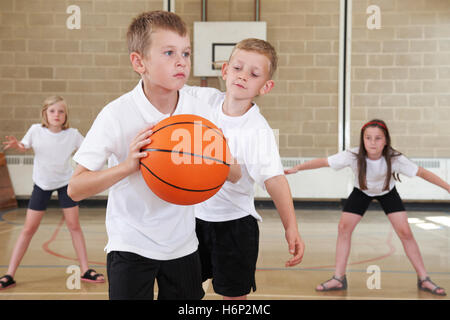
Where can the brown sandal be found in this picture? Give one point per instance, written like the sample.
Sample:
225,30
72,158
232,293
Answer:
89,277
432,291
9,282
342,280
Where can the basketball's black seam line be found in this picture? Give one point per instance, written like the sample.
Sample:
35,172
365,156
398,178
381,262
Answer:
188,153
177,187
189,122
194,123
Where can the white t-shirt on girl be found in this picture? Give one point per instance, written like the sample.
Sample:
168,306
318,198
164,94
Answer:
137,220
252,143
52,152
376,170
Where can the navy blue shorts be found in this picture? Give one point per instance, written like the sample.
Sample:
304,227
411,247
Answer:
228,253
358,202
40,198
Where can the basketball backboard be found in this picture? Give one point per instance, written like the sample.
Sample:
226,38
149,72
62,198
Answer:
214,41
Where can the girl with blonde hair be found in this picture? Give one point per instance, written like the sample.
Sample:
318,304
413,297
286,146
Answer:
53,143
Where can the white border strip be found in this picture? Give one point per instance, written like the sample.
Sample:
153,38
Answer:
166,5
348,85
344,129
341,73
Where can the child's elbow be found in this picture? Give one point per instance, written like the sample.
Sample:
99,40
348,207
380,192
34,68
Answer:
71,192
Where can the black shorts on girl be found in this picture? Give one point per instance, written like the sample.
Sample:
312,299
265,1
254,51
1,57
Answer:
358,202
40,198
228,253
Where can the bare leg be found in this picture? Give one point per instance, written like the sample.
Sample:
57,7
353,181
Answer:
71,216
346,226
399,221
32,222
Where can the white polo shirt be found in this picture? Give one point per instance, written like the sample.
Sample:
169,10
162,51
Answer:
136,219
52,153
252,142
375,171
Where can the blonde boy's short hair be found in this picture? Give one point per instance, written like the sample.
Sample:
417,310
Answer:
260,46
51,101
141,28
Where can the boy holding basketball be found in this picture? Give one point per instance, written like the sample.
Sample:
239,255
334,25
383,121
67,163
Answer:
148,238
227,226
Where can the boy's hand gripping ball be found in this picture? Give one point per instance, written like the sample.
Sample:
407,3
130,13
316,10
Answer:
187,160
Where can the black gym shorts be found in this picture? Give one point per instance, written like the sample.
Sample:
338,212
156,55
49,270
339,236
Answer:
228,253
132,277
358,202
40,198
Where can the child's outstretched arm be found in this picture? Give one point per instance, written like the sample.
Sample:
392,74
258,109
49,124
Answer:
278,189
434,179
85,183
308,165
12,142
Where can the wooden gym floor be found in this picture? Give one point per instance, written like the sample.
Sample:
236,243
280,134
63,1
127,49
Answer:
43,271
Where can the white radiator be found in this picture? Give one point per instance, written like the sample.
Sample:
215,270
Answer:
21,172
324,183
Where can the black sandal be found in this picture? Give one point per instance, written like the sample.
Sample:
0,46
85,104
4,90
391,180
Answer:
432,291
342,280
88,277
9,282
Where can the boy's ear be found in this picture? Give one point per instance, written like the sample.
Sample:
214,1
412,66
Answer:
224,70
136,62
268,86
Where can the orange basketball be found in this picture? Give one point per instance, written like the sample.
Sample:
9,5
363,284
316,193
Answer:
186,160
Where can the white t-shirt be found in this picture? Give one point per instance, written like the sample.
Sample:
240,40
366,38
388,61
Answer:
52,152
137,220
252,143
376,170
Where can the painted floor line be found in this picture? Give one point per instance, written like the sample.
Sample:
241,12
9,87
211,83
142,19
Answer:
251,296
51,293
258,269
